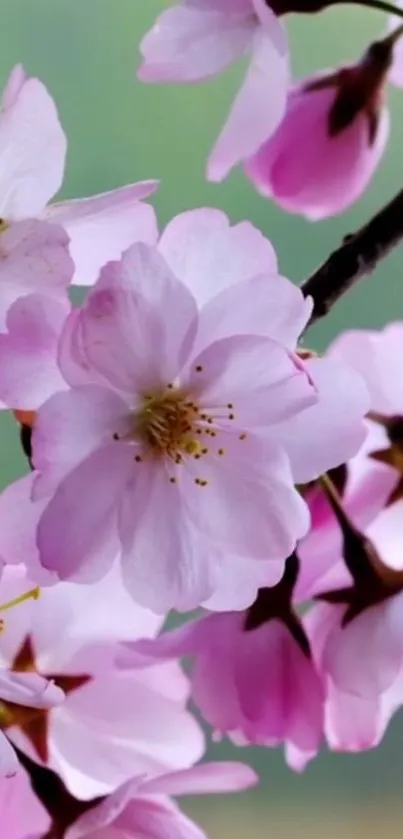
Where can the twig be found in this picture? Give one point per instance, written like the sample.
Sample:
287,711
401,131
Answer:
358,256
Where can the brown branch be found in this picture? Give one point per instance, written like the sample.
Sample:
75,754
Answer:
356,257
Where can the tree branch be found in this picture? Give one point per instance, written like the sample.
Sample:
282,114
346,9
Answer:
358,256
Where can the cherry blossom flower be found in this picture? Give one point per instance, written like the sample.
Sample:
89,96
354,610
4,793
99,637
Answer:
142,806
33,149
244,295
253,676
175,440
331,140
113,723
196,40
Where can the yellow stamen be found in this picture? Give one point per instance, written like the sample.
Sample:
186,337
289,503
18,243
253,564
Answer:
33,594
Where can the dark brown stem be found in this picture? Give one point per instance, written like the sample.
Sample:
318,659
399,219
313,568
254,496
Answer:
356,257
283,7
62,807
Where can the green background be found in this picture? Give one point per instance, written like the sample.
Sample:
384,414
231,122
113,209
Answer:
119,131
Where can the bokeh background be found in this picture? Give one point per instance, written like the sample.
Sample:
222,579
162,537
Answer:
119,131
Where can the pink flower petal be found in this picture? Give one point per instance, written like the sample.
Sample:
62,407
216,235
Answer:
9,764
346,657
13,86
266,305
352,722
375,355
259,105
29,372
19,518
307,171
279,387
206,778
189,43
103,226
209,255
84,507
125,331
331,431
126,813
32,148
160,547
22,815
238,580
34,258
252,478
29,689
72,425
121,727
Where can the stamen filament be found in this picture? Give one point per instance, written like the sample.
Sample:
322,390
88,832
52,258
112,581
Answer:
33,594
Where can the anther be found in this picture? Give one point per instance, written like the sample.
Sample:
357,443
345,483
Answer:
242,436
199,368
172,480
221,451
231,416
230,406
138,459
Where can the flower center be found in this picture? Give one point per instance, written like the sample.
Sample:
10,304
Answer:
167,423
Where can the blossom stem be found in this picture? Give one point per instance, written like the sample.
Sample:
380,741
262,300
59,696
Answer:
383,6
357,256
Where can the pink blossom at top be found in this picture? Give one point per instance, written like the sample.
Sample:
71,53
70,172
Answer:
157,444
113,723
142,807
330,142
32,151
197,39
22,816
255,684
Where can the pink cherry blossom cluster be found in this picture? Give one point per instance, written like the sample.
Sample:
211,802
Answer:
186,450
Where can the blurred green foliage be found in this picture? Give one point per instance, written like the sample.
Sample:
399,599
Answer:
86,51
